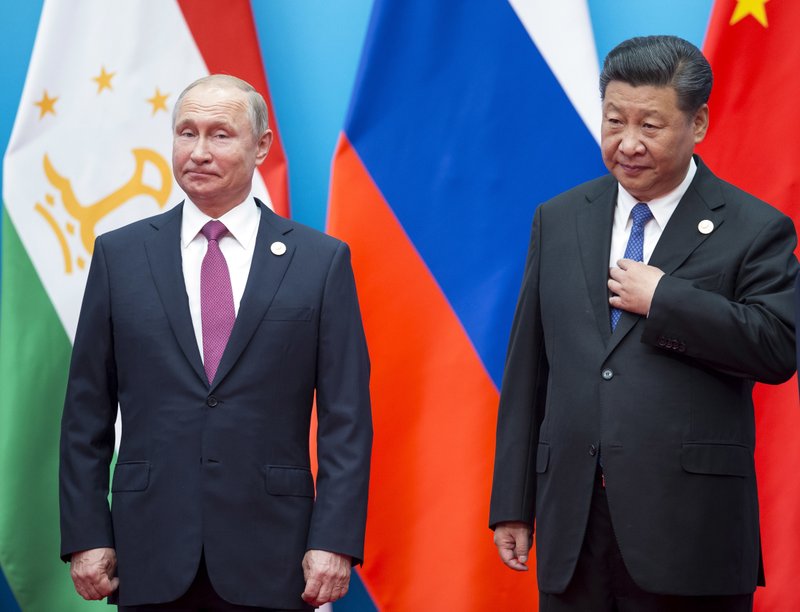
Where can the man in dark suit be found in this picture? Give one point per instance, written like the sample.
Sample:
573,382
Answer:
213,326
626,427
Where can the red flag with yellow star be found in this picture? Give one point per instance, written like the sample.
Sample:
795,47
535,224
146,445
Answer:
754,141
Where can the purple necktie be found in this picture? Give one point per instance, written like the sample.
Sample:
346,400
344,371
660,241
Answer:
635,250
216,299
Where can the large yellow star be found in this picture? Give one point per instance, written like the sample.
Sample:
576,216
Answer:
46,105
159,101
103,80
755,8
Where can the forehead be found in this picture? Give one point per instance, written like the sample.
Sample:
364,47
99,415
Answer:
213,103
642,98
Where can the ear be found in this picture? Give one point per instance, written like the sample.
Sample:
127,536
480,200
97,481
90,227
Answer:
262,147
700,123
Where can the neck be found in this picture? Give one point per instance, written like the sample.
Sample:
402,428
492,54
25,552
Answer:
215,210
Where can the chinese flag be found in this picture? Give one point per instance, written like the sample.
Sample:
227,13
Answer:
754,142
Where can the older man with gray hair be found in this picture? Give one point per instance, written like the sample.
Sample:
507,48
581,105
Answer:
214,326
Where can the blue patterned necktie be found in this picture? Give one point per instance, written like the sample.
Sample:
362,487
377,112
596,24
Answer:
635,250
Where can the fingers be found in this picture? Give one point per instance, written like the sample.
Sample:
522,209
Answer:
92,572
327,577
92,586
513,541
633,286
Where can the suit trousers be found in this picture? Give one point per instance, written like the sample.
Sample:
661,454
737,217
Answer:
200,597
601,582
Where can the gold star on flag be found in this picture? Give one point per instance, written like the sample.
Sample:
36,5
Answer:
754,8
103,80
46,105
159,101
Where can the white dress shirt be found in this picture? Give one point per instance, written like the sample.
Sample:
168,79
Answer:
662,209
238,246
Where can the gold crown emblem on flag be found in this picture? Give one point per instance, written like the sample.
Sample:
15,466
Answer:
83,218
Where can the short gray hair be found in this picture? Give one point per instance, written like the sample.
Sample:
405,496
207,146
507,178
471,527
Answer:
661,61
256,107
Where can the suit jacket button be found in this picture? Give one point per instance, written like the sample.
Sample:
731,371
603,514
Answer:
662,341
592,450
211,401
681,348
607,374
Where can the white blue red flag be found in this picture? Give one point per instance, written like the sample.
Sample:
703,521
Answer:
463,119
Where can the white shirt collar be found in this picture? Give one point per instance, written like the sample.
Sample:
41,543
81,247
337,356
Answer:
663,207
242,222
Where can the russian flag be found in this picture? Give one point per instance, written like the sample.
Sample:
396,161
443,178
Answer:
463,119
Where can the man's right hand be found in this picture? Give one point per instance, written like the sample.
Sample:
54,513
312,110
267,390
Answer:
513,541
92,572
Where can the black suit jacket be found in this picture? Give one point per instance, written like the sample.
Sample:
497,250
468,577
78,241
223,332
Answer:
221,468
665,399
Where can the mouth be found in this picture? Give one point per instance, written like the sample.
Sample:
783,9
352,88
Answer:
631,169
197,173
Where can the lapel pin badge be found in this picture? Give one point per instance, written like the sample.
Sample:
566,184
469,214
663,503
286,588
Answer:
277,248
705,226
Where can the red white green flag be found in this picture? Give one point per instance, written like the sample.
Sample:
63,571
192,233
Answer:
89,152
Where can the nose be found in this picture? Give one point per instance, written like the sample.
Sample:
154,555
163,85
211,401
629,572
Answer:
200,151
630,143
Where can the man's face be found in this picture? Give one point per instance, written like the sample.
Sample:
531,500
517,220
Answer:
646,140
214,152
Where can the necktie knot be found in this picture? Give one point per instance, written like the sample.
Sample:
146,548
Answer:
214,230
641,214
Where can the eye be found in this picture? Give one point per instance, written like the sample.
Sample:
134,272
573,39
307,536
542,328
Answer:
613,121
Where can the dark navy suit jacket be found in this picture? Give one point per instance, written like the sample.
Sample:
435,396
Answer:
665,399
221,468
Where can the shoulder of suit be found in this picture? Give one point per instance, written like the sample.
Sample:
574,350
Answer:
739,201
142,227
298,232
583,193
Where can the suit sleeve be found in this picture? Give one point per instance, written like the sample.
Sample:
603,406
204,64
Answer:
522,401
344,433
87,424
797,313
751,335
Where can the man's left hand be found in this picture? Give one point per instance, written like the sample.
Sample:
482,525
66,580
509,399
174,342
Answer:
633,285
327,576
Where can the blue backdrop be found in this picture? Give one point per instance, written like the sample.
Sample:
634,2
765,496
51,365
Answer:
311,51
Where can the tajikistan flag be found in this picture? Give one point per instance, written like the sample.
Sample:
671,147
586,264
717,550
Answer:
90,151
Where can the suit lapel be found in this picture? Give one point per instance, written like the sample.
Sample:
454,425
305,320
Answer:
594,222
266,273
703,201
164,256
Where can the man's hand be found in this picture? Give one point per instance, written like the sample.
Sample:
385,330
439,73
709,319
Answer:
327,576
513,541
92,572
633,285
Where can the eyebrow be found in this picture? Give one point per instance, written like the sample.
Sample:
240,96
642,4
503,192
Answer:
649,112
214,125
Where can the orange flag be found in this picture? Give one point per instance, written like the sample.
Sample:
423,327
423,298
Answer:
754,141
